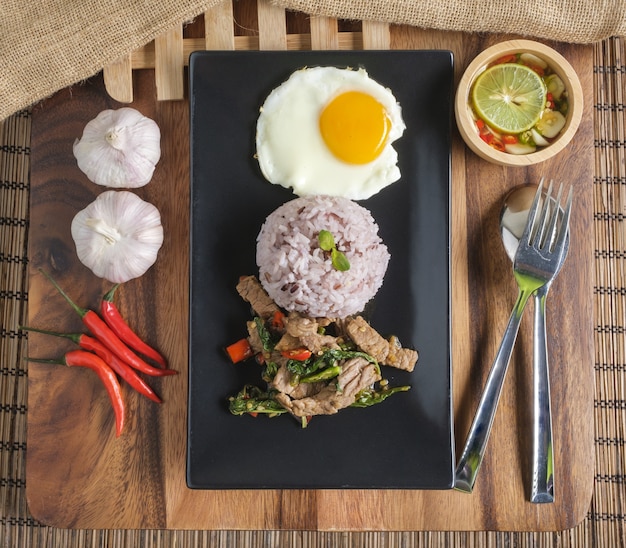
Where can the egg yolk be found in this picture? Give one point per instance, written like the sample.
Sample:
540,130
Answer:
355,126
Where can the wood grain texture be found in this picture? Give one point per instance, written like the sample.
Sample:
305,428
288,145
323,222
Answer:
324,33
272,26
168,70
80,476
218,27
118,79
376,35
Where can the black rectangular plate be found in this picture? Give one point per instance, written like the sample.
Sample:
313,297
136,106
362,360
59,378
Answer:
405,442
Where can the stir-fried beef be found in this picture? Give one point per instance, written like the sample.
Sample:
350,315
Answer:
401,358
304,332
387,352
252,291
356,375
282,382
340,372
316,343
297,325
368,339
288,342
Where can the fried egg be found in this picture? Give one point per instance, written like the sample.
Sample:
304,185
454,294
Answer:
329,131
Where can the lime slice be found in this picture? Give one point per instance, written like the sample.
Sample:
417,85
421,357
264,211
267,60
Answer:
509,97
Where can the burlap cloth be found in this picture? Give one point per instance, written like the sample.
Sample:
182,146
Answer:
46,45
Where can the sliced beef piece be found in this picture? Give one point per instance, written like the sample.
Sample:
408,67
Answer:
252,291
400,358
341,327
386,352
356,375
282,383
368,339
313,342
297,325
287,342
317,343
253,337
306,331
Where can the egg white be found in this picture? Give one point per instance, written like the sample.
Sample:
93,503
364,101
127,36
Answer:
290,148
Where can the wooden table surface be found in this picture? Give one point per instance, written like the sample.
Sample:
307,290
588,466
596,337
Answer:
80,475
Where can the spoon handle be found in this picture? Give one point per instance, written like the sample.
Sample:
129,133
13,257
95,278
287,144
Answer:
474,450
542,489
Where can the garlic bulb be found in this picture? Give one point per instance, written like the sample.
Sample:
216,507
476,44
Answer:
119,148
118,235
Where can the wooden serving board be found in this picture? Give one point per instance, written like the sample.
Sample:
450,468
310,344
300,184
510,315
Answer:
79,475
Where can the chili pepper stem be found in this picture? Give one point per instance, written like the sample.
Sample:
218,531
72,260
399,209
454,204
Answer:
72,336
78,309
104,333
109,295
44,360
124,370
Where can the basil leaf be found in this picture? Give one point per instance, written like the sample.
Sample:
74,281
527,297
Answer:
326,240
368,397
339,260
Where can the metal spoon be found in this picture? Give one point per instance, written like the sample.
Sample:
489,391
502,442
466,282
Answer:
512,221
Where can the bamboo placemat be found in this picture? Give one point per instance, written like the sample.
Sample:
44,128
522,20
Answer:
604,523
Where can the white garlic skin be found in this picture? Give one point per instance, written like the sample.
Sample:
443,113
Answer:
118,235
119,148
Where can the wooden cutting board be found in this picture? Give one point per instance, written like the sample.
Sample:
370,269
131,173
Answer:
79,475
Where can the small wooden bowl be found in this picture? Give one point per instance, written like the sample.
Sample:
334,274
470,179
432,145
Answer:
465,120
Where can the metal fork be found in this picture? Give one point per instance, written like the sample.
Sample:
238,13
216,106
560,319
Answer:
540,254
542,488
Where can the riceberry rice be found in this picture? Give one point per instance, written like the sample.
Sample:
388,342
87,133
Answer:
299,276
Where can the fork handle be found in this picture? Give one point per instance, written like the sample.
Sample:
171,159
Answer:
474,450
542,489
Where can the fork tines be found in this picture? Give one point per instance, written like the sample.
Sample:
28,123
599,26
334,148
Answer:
544,227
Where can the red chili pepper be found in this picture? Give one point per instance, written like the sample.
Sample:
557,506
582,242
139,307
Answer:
118,325
510,58
480,124
82,358
122,369
239,351
497,144
299,354
278,320
509,139
104,334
